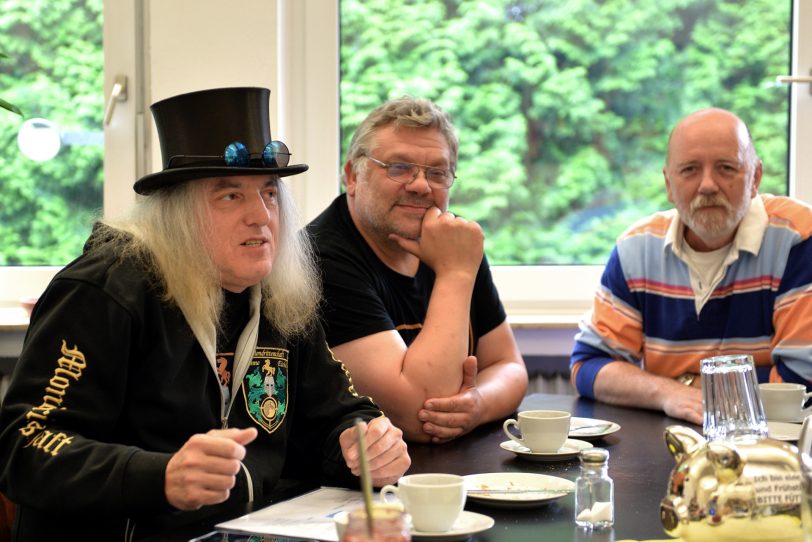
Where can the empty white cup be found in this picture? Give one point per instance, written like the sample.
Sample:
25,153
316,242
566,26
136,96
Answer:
542,431
434,501
784,401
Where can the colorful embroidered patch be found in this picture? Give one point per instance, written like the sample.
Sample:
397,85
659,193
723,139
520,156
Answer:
265,387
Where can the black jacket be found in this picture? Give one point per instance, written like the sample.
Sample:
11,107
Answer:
111,382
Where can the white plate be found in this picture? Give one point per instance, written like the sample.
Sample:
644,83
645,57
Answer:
517,489
467,524
569,450
784,430
593,428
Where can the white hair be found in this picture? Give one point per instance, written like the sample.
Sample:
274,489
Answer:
166,231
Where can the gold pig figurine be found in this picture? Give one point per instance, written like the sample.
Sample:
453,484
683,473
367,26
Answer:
805,444
744,490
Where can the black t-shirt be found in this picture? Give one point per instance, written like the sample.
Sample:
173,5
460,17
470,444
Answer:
363,296
134,384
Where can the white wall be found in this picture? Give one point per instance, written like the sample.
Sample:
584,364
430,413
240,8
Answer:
195,45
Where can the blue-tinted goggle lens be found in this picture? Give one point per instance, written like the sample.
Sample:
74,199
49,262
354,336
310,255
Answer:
275,154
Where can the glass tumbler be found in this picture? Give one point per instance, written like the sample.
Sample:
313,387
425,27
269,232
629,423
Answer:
731,400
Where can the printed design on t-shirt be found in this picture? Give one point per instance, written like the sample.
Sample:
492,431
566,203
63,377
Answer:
350,385
222,369
408,326
265,387
69,368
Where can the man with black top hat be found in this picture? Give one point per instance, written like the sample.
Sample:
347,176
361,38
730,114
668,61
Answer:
178,362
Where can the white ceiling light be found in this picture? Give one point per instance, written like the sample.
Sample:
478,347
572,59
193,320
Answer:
39,139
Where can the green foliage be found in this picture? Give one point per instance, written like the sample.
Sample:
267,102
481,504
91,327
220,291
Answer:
6,105
47,208
563,108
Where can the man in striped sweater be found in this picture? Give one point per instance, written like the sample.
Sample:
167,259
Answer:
728,271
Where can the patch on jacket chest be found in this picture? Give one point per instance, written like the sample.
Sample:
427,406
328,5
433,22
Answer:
265,387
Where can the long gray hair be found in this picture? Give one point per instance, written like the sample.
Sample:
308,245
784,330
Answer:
166,231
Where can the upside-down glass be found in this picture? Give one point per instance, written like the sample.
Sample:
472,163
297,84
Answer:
731,399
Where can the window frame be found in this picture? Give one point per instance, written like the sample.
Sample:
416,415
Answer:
306,66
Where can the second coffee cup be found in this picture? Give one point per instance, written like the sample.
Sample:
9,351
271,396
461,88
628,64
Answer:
784,401
434,501
542,431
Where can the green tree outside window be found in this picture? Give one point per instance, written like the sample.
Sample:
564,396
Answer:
53,68
563,107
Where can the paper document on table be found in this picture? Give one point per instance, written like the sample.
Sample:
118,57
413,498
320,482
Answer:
306,516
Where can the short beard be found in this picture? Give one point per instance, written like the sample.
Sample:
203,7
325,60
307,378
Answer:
712,225
381,228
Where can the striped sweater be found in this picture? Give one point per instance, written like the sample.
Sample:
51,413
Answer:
644,310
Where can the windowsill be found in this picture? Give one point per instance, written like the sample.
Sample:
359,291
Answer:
13,319
16,319
537,333
544,306
552,297
544,320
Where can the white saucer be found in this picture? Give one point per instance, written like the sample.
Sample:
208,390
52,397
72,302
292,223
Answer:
467,524
799,419
590,432
784,431
569,450
516,489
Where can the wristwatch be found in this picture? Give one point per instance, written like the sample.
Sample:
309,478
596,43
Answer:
687,378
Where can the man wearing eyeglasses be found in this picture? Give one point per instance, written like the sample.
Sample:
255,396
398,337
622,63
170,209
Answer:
726,272
410,305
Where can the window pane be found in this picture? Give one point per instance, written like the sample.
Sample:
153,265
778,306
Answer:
563,107
54,73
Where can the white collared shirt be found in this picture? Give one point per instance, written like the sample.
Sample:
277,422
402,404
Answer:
707,269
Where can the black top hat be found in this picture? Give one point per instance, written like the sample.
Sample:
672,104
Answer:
196,128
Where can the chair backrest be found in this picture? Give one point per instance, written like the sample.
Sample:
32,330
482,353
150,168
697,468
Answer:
7,512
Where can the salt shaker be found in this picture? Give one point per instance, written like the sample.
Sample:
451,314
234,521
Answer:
594,491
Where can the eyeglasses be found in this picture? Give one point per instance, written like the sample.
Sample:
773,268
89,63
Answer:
236,154
406,172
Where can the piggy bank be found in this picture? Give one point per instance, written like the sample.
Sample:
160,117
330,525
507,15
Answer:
732,491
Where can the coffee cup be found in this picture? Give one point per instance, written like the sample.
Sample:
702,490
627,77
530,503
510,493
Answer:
784,401
434,501
542,431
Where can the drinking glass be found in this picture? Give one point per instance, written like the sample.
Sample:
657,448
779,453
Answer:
731,400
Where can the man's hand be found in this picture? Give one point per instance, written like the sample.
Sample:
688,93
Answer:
203,471
446,418
621,383
685,403
386,451
447,243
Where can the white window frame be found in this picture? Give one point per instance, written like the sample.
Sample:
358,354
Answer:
301,46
